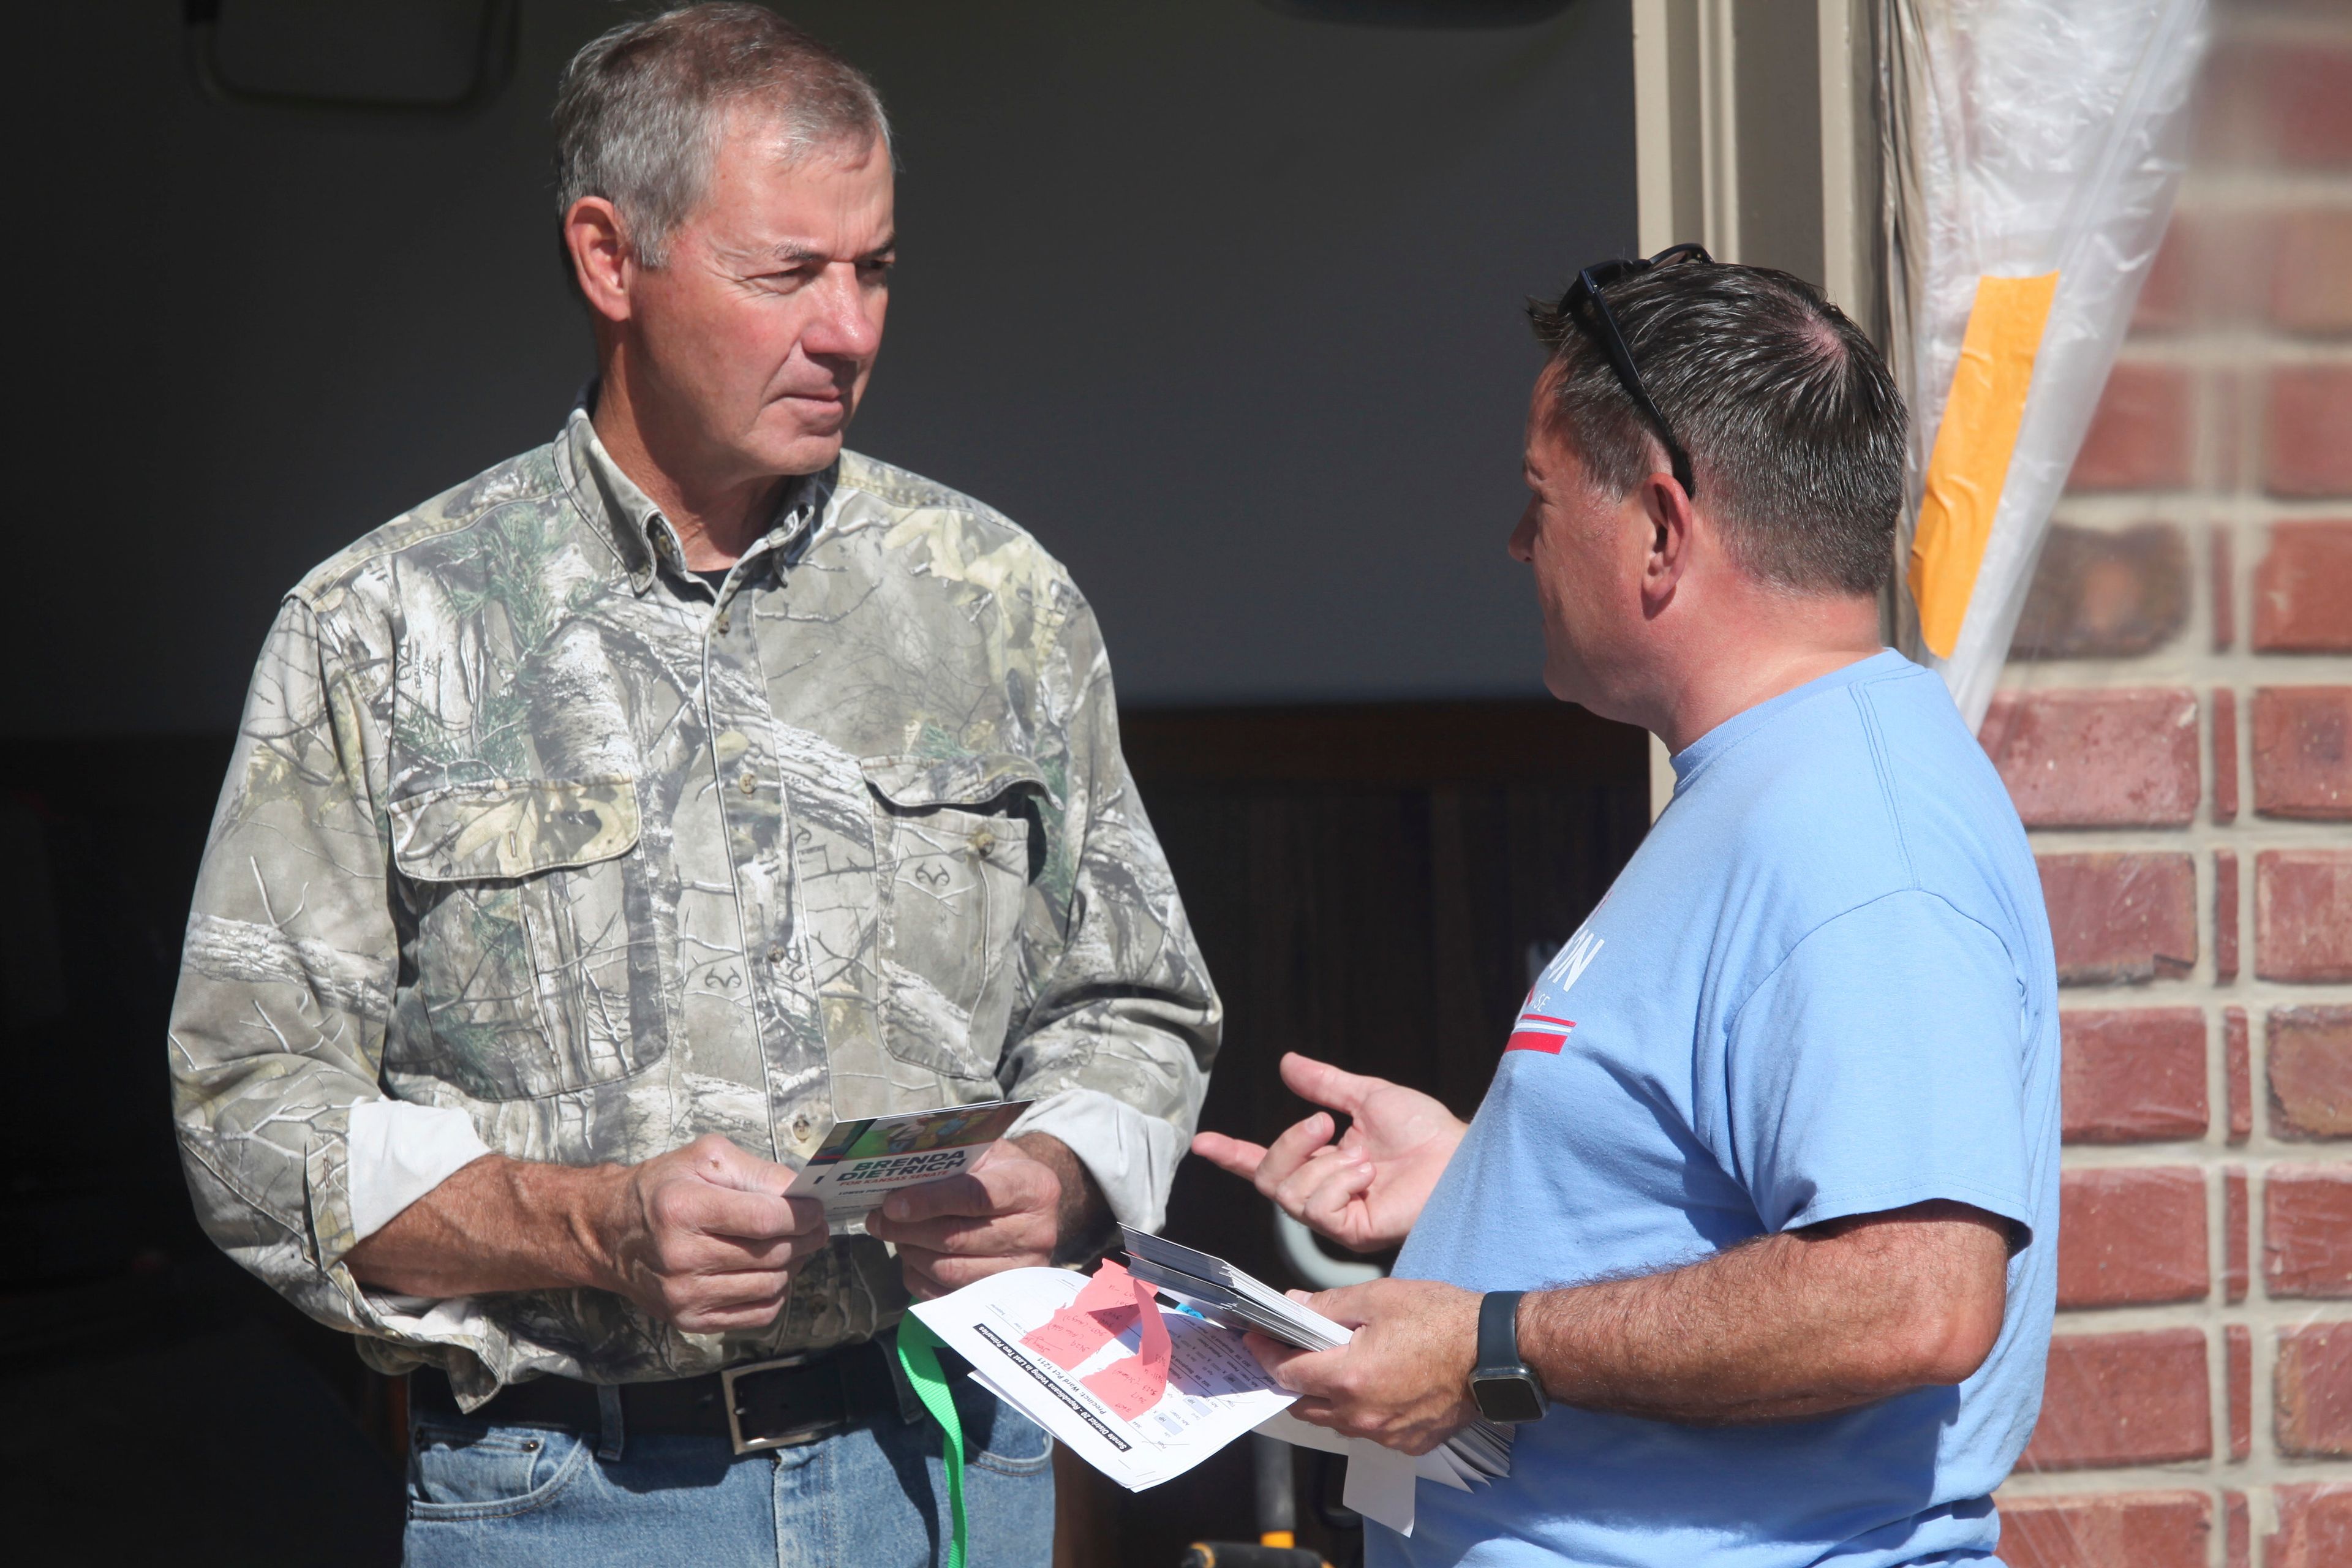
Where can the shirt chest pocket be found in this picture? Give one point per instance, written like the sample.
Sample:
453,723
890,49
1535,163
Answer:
535,963
953,861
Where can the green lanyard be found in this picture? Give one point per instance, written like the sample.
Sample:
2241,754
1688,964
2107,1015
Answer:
918,1352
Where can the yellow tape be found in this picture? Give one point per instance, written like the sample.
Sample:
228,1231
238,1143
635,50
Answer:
1970,462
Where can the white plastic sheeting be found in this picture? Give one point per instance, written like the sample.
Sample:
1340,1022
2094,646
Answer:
2023,137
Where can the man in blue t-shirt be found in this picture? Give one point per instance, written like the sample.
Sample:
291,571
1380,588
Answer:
1755,1231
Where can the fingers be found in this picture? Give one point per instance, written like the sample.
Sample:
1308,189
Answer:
713,1302
721,1164
1229,1155
1298,1143
1305,1372
951,1196
1324,1084
1349,1306
692,1252
1320,1194
1010,1186
710,1210
931,1273
1272,1354
1027,1233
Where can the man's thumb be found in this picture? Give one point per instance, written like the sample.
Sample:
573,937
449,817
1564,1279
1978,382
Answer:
728,1165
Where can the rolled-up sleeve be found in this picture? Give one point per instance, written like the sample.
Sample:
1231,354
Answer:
1121,1022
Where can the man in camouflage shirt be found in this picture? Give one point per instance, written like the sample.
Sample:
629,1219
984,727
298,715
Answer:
603,830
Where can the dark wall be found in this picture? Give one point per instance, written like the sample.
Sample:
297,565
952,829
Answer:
1221,302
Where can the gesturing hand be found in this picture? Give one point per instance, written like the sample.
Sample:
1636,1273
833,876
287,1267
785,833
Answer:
1003,1215
703,1236
1364,1191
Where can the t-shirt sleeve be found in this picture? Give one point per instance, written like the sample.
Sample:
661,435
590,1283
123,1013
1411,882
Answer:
1882,1064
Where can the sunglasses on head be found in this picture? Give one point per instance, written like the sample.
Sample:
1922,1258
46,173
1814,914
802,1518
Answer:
1586,291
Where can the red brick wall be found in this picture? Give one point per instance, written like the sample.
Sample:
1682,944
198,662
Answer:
2176,732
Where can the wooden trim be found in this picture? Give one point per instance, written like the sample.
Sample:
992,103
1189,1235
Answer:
1391,744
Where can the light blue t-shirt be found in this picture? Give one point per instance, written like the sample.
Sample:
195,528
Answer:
1822,986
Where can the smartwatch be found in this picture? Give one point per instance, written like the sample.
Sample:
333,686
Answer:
1500,1384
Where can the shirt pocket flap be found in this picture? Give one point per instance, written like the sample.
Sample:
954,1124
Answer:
504,829
968,778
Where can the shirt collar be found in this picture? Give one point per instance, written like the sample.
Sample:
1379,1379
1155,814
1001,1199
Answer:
644,540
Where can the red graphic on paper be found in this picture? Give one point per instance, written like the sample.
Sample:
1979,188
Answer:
1101,1312
1133,1384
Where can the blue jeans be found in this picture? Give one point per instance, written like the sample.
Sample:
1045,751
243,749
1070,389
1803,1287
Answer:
493,1495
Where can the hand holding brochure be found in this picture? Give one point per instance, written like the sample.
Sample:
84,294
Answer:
1214,1390
1224,1294
1144,1393
861,1162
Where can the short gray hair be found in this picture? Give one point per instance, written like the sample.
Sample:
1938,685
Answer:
640,110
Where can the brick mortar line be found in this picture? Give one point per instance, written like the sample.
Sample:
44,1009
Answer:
2194,993
2206,1156
2232,190
2238,349
2234,25
2191,507
2091,1486
2105,998
2266,1314
2242,671
2282,833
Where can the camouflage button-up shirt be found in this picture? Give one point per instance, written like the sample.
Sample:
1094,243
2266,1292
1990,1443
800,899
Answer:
526,820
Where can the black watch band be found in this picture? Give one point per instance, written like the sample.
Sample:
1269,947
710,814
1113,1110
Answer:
1501,1385
1498,1329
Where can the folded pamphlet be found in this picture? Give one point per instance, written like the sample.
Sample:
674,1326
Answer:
1211,1390
1144,1393
1225,1294
861,1162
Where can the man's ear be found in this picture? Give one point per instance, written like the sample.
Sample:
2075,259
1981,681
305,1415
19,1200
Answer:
1666,512
602,262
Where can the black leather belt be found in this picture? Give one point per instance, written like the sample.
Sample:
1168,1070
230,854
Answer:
760,1404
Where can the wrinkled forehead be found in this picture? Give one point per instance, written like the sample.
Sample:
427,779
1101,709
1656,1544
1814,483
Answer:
761,178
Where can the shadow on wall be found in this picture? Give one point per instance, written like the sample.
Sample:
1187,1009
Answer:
251,1434
1221,302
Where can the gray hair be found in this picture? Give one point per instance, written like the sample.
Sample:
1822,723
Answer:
640,110
1792,423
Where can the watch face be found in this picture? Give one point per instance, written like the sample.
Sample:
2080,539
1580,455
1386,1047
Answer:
1511,1398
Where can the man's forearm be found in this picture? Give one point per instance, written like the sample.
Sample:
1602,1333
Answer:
1782,1328
498,1223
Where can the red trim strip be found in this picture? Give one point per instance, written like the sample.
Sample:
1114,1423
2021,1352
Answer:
1542,1040
1541,1019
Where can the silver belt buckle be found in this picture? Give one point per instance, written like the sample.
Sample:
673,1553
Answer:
790,1440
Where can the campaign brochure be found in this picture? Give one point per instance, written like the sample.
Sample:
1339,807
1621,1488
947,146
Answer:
1143,1391
1225,1294
861,1162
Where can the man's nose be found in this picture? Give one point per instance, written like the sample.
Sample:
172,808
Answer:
846,325
1523,537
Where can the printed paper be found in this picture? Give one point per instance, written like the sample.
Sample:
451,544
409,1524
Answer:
861,1162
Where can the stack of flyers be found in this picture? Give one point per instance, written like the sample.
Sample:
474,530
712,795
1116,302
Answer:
861,1162
1222,1293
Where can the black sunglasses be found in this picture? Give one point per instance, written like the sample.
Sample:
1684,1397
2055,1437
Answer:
1585,290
